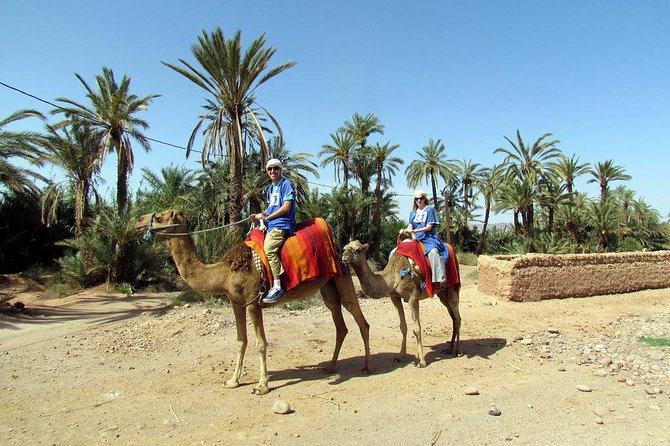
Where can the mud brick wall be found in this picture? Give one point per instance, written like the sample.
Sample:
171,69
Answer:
535,277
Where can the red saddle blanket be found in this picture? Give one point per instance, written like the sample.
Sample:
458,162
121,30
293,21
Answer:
415,251
307,255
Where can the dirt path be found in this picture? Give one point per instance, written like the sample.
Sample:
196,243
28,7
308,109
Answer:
106,369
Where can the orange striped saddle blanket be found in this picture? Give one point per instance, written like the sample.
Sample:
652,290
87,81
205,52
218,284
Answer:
415,251
307,255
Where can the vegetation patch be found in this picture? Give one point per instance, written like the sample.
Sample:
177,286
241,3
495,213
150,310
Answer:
655,342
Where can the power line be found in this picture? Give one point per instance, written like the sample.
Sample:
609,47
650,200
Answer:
133,133
70,110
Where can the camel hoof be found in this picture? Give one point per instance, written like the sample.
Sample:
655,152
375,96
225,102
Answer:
369,370
260,389
328,370
231,384
421,364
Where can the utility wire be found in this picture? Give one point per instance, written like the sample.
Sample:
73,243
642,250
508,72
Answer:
133,133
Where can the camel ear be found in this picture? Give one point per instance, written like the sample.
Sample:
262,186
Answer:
365,247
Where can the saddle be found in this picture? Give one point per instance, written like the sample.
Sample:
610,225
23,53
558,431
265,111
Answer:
308,255
415,251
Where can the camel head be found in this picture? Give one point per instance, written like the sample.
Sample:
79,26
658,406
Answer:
352,251
162,222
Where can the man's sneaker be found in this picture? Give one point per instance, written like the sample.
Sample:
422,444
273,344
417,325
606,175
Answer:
273,296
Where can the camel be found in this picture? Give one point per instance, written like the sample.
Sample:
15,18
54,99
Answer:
236,278
390,283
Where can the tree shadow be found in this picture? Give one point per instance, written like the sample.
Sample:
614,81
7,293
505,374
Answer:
98,309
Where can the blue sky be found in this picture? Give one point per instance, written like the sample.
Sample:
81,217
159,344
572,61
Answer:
596,74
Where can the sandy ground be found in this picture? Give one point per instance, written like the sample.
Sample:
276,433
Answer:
104,368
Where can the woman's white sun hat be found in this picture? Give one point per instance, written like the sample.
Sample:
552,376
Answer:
420,193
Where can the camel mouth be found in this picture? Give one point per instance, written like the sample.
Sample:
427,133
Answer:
142,223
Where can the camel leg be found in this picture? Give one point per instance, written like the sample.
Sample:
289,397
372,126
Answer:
241,325
332,300
256,316
414,306
397,302
450,299
349,300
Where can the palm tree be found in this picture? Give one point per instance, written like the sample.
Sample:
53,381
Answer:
22,145
296,166
432,165
231,78
529,162
488,183
170,189
361,127
386,167
604,217
339,154
112,114
76,150
469,174
526,166
604,173
568,169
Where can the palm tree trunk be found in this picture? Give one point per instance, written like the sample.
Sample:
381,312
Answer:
482,239
447,217
235,177
121,180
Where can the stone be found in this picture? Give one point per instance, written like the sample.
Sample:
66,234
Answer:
583,388
601,411
281,407
494,411
471,391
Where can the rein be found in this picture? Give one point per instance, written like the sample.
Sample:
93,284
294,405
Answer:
151,231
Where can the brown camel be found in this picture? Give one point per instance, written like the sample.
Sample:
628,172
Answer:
236,277
389,283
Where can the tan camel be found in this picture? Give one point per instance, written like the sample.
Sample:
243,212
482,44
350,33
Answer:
236,277
389,283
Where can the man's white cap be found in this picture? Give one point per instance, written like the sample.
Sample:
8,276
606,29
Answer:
274,162
419,193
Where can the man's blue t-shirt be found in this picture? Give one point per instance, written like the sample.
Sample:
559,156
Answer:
276,195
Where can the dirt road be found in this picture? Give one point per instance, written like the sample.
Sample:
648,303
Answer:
107,369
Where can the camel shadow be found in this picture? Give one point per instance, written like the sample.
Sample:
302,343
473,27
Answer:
470,348
348,368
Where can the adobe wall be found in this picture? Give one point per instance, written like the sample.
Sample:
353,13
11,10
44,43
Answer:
535,277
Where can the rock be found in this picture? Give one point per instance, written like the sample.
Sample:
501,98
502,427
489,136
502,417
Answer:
600,420
561,369
494,411
601,411
606,361
471,391
281,407
583,388
654,391
553,330
526,341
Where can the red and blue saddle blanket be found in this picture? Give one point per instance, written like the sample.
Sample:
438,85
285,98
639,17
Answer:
307,255
415,251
